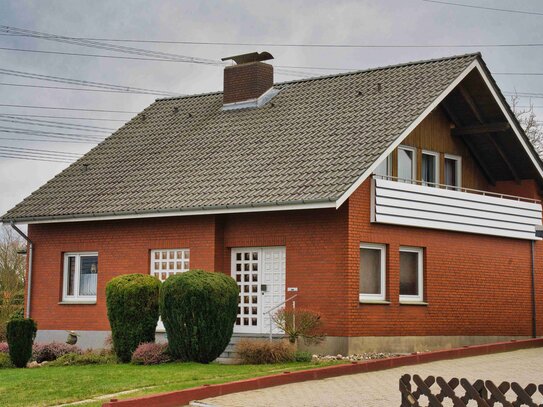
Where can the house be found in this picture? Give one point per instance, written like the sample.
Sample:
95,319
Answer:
401,203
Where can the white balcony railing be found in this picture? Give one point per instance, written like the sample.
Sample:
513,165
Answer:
459,209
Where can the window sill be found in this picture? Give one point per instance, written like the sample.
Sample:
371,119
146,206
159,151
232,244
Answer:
382,302
83,302
414,303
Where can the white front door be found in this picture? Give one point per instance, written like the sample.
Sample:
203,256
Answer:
260,274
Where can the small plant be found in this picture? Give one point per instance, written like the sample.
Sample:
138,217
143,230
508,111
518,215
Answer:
86,358
132,309
198,309
299,323
151,353
47,352
265,352
5,361
4,347
20,333
303,356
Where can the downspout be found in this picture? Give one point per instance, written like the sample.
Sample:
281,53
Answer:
29,276
534,315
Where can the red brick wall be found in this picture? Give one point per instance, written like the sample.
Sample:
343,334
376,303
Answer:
246,81
474,284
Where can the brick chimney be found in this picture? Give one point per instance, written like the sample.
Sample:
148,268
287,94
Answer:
248,79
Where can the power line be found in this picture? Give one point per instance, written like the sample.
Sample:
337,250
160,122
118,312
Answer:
100,85
41,151
47,141
67,108
64,88
535,13
57,135
32,158
63,117
48,123
268,44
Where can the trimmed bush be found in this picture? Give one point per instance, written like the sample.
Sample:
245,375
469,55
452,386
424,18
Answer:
132,309
151,354
20,333
303,356
86,358
47,352
4,347
265,352
5,361
198,309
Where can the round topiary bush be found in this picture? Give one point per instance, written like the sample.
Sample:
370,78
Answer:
132,309
198,309
20,333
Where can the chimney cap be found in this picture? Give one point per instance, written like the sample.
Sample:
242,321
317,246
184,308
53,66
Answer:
250,57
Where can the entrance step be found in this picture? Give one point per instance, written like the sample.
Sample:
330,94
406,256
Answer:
230,357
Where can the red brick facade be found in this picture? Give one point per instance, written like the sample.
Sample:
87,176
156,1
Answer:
474,284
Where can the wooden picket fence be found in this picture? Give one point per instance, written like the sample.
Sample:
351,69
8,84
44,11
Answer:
483,393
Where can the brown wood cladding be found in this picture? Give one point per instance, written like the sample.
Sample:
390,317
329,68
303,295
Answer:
434,134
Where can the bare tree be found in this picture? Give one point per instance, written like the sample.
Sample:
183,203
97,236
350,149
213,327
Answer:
528,120
12,270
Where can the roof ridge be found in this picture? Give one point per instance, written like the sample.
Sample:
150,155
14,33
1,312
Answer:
346,73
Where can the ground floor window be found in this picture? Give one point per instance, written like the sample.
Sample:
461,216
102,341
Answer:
165,263
80,276
372,272
411,274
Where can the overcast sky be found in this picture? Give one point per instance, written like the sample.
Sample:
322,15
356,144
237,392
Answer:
371,22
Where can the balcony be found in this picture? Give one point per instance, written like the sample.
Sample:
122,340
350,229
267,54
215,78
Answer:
407,203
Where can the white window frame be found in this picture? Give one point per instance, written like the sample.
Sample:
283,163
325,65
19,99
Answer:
382,295
388,164
76,297
158,273
458,168
435,154
413,163
420,274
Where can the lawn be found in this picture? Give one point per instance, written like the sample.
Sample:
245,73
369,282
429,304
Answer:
48,386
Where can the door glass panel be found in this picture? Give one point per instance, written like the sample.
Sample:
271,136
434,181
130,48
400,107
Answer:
246,269
405,164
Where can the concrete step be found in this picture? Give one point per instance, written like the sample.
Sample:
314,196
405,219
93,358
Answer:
229,356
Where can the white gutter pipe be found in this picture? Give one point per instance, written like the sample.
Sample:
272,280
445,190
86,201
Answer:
29,276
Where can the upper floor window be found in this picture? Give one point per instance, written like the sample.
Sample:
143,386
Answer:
165,263
80,277
384,169
430,168
453,170
372,272
411,274
407,163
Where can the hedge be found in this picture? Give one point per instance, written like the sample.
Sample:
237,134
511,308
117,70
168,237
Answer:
198,309
132,309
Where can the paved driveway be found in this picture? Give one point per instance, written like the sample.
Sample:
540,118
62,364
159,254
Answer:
380,389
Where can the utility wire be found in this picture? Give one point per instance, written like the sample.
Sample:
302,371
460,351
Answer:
41,151
47,141
65,88
297,45
100,85
72,136
32,158
448,3
48,123
67,108
63,117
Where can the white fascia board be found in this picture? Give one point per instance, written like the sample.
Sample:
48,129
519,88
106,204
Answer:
270,208
474,65
405,133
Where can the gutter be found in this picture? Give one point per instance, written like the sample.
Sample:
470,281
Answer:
29,286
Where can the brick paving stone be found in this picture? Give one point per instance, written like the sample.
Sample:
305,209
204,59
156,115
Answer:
380,389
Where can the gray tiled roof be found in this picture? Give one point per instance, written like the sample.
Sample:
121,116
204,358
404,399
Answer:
310,143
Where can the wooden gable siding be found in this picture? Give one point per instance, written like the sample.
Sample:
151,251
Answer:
434,134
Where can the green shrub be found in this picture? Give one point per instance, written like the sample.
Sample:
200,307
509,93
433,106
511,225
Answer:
87,358
20,334
132,309
303,356
198,309
5,361
263,352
